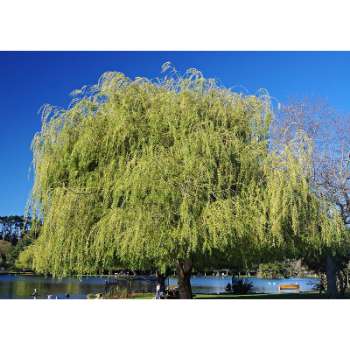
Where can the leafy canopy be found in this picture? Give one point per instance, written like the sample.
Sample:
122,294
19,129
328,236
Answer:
143,173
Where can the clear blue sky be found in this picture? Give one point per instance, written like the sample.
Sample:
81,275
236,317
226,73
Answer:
30,79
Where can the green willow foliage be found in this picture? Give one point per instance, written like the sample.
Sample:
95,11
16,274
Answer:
140,174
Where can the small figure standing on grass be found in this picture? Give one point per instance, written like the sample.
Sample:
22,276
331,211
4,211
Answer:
158,291
35,293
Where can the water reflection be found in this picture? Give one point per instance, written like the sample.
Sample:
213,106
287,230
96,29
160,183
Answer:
21,287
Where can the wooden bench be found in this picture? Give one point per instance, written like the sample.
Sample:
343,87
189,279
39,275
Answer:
287,287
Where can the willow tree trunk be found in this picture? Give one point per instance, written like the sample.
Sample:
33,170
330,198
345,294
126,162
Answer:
331,273
184,270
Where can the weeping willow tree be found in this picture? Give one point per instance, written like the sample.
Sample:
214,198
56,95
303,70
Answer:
173,173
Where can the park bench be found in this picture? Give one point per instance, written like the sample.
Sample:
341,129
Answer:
289,287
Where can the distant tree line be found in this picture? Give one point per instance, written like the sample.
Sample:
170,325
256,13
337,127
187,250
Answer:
15,235
14,227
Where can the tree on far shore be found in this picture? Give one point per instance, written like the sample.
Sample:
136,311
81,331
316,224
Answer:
330,171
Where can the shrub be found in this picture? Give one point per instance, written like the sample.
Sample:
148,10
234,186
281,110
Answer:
242,287
5,249
117,292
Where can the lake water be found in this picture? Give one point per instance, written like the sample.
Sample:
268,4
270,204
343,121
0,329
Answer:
21,287
213,284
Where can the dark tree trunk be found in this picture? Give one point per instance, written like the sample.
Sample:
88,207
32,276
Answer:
331,273
184,270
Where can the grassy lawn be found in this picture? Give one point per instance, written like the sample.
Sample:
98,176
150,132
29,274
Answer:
309,295
143,296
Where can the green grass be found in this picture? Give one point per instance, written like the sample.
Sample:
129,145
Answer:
143,296
308,295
